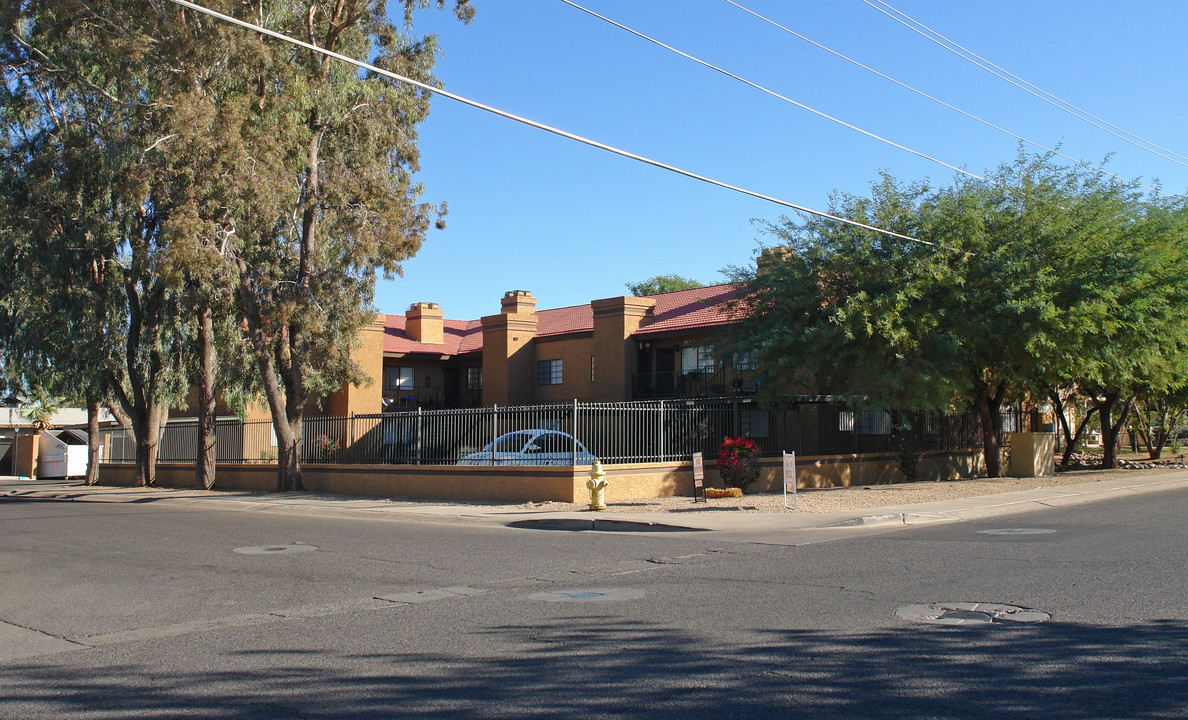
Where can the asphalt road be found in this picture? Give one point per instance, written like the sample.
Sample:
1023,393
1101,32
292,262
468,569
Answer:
156,610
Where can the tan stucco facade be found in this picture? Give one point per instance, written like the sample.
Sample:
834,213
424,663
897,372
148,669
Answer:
366,397
615,319
509,359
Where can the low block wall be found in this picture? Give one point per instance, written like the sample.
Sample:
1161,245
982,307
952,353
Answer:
500,484
560,484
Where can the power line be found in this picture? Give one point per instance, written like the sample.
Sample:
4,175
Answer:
541,126
1056,102
936,100
773,93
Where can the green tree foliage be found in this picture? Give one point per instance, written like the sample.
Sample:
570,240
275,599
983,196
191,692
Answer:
658,284
334,204
1039,277
191,176
86,209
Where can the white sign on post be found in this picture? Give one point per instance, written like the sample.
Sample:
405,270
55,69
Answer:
698,476
790,479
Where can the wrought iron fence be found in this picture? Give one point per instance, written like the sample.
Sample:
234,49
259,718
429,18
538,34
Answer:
564,434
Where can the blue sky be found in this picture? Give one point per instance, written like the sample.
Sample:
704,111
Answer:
533,211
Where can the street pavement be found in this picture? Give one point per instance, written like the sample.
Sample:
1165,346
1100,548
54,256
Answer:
125,603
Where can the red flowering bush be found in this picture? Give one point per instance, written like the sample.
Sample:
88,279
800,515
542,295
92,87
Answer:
738,462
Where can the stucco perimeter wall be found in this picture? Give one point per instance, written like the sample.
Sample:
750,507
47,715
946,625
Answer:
501,484
561,484
650,480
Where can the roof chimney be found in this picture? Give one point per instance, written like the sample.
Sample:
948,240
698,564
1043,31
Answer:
518,302
423,322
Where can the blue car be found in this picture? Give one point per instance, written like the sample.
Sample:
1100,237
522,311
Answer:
531,447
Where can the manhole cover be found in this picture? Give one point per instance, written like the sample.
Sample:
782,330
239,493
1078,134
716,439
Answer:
965,613
1018,531
275,549
593,595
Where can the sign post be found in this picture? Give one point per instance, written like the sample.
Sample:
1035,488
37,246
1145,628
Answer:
698,477
790,479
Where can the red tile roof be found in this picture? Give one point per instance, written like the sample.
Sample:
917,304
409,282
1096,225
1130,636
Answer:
461,336
675,311
566,320
691,310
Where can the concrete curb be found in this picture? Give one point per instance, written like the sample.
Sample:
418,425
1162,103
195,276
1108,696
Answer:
907,518
743,527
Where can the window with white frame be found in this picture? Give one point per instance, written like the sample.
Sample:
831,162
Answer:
548,372
398,378
698,359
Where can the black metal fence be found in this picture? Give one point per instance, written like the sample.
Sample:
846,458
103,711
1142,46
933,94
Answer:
650,431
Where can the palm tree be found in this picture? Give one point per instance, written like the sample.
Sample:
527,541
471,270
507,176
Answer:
43,408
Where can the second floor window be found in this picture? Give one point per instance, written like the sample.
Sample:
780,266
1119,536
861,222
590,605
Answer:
699,359
548,372
398,378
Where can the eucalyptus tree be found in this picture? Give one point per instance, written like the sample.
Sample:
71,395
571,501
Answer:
335,203
224,176
84,123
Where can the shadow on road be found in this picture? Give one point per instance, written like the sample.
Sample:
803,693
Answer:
585,666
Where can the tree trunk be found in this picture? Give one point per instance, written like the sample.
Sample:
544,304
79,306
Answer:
1071,438
204,465
1111,429
989,409
93,441
288,457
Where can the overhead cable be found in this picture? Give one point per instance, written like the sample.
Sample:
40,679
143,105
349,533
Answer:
541,126
1027,87
921,93
774,93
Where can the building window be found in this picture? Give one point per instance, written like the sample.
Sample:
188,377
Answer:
698,359
474,378
398,378
548,372
744,362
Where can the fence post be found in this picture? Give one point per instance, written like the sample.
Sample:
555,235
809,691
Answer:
661,434
494,429
419,424
573,457
351,447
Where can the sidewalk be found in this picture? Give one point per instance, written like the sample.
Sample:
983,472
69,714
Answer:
683,517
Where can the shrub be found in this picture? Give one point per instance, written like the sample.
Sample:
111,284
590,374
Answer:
325,447
738,462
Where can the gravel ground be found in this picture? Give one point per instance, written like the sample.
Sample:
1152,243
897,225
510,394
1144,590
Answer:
857,498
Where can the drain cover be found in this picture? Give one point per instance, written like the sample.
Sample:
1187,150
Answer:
965,613
591,595
275,549
1018,531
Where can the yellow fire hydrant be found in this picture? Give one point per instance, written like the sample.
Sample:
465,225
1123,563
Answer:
597,486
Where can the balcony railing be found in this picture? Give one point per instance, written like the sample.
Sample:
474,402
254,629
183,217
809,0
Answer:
413,398
722,382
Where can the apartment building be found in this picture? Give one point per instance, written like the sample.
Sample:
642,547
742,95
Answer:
608,350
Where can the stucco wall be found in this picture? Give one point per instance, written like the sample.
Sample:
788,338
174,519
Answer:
561,484
574,354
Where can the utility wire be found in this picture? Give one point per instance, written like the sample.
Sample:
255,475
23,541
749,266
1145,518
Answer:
773,93
540,126
1025,86
921,93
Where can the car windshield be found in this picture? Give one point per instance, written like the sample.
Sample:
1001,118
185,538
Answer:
553,442
512,442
